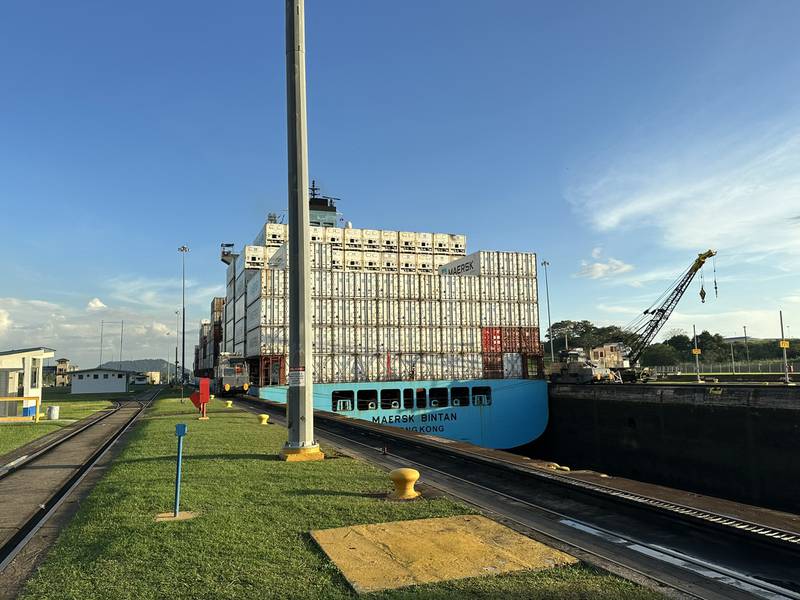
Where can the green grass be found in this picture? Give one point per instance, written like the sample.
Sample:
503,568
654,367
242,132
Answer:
71,408
250,539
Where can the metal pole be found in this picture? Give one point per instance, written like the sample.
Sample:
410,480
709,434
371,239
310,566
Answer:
746,348
121,327
785,362
178,477
696,355
102,323
546,264
177,334
733,362
183,250
301,444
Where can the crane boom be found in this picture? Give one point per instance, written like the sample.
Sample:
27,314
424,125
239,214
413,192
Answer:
659,317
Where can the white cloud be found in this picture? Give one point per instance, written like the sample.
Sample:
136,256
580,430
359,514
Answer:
746,204
5,321
95,304
596,252
601,270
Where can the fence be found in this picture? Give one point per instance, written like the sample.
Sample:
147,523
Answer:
773,366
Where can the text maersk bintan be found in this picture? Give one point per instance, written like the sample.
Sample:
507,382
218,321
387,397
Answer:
421,418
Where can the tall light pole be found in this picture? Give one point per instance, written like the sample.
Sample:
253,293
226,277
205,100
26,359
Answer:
177,333
546,264
733,361
183,250
301,445
746,348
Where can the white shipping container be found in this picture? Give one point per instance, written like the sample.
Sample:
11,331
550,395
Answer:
490,314
389,240
450,288
425,264
275,311
337,259
489,263
354,285
388,339
430,313
254,257
429,287
408,286
389,261
458,244
508,288
471,339
407,263
407,241
321,313
528,315
352,239
333,236
424,242
470,288
372,283
490,288
507,264
440,260
372,261
230,272
316,234
275,234
338,284
512,365
509,314
371,239
451,340
451,313
388,312
255,317
441,243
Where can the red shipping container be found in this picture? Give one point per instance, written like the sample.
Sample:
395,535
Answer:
491,339
510,339
529,340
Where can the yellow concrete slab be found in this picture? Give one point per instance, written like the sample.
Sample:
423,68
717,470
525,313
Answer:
394,555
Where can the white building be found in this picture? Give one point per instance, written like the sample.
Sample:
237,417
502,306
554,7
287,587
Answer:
21,370
99,381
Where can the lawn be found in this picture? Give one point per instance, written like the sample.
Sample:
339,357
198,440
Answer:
250,539
71,408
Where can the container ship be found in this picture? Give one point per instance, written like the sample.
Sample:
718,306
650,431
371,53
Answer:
408,329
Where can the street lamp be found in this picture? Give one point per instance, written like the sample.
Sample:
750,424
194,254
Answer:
183,250
546,264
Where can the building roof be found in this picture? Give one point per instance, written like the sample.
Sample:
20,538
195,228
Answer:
101,369
26,350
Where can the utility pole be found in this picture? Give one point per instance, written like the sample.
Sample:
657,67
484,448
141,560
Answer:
177,334
784,346
546,264
746,348
733,362
696,353
121,327
183,250
102,324
301,445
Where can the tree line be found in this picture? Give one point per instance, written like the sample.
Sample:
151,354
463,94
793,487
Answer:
674,350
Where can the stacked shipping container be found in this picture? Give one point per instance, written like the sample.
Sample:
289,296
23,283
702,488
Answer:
211,340
382,311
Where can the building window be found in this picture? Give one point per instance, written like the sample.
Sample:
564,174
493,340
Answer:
80,376
119,376
342,400
390,399
95,376
482,395
105,375
460,396
408,399
422,398
438,397
367,399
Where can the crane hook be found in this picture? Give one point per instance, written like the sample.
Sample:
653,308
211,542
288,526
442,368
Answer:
702,288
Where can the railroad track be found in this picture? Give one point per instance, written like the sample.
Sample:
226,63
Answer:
673,547
58,467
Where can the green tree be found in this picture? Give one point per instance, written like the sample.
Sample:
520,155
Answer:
659,355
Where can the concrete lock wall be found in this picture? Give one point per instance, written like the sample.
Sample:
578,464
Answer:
740,443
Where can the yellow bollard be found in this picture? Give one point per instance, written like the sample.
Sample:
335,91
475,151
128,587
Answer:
229,403
263,419
211,396
246,387
404,480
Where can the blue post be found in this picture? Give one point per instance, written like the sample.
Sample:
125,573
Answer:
180,431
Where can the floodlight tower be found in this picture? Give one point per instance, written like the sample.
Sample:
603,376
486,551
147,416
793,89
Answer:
301,445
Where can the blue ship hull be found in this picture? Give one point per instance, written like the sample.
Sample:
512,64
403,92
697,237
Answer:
513,413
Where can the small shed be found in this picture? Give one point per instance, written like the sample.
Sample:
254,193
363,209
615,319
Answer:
99,381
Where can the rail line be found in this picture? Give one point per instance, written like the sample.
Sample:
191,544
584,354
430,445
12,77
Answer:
26,530
614,529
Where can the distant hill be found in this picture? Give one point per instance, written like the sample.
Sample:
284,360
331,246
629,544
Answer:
142,365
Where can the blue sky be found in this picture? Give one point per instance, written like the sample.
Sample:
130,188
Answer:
615,139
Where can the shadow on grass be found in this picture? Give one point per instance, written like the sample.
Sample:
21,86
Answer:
195,457
336,493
